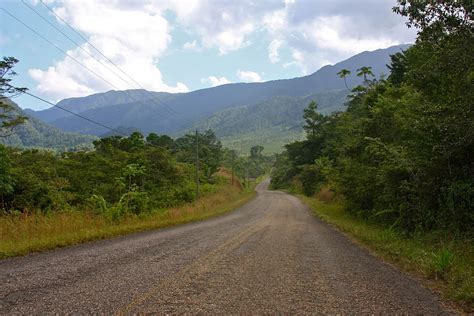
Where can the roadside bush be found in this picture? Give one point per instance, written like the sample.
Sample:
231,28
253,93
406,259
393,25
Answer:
458,201
98,204
134,202
310,178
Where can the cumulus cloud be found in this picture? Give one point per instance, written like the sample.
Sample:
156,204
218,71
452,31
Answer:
132,34
248,76
273,51
224,25
315,32
215,81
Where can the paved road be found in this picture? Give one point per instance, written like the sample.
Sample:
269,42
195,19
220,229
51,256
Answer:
271,255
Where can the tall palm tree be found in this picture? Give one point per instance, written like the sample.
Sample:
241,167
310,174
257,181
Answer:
343,74
365,72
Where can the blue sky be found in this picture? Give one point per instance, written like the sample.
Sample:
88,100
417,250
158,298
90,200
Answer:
185,45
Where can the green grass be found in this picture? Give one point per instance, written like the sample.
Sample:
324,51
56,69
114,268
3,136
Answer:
20,235
443,262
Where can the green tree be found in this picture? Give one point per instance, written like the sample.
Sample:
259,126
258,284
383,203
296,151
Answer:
313,120
160,140
9,116
210,151
343,74
398,68
256,152
437,20
365,72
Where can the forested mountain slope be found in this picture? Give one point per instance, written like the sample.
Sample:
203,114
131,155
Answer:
35,133
94,101
271,123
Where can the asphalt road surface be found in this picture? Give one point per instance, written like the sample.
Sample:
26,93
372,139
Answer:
269,256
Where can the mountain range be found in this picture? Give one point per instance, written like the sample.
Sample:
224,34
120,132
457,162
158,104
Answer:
266,110
35,133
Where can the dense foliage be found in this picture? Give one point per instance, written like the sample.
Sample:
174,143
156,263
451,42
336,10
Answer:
127,173
248,167
402,153
122,175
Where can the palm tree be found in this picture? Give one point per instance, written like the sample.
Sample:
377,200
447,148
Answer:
343,74
365,72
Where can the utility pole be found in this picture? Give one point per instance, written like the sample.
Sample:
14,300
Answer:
233,154
247,174
197,166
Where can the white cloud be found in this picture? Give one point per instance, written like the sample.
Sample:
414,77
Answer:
230,40
248,76
225,25
273,51
276,21
133,35
321,31
327,39
215,81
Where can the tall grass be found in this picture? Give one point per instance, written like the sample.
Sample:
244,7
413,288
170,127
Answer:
23,234
445,262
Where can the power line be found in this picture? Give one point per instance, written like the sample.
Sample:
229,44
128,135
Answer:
110,61
58,48
87,41
93,72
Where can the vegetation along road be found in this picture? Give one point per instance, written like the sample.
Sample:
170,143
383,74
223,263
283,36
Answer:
271,255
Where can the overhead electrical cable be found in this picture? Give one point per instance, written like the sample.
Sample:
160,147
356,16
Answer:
87,41
69,111
58,48
77,114
73,41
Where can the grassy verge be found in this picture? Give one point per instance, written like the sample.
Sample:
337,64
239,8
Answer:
20,235
445,263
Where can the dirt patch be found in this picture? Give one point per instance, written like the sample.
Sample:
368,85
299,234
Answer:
325,195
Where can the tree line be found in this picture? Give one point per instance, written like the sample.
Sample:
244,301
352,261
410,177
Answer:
120,176
402,152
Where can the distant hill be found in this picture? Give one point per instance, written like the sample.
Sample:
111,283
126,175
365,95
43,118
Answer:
94,101
37,134
115,108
